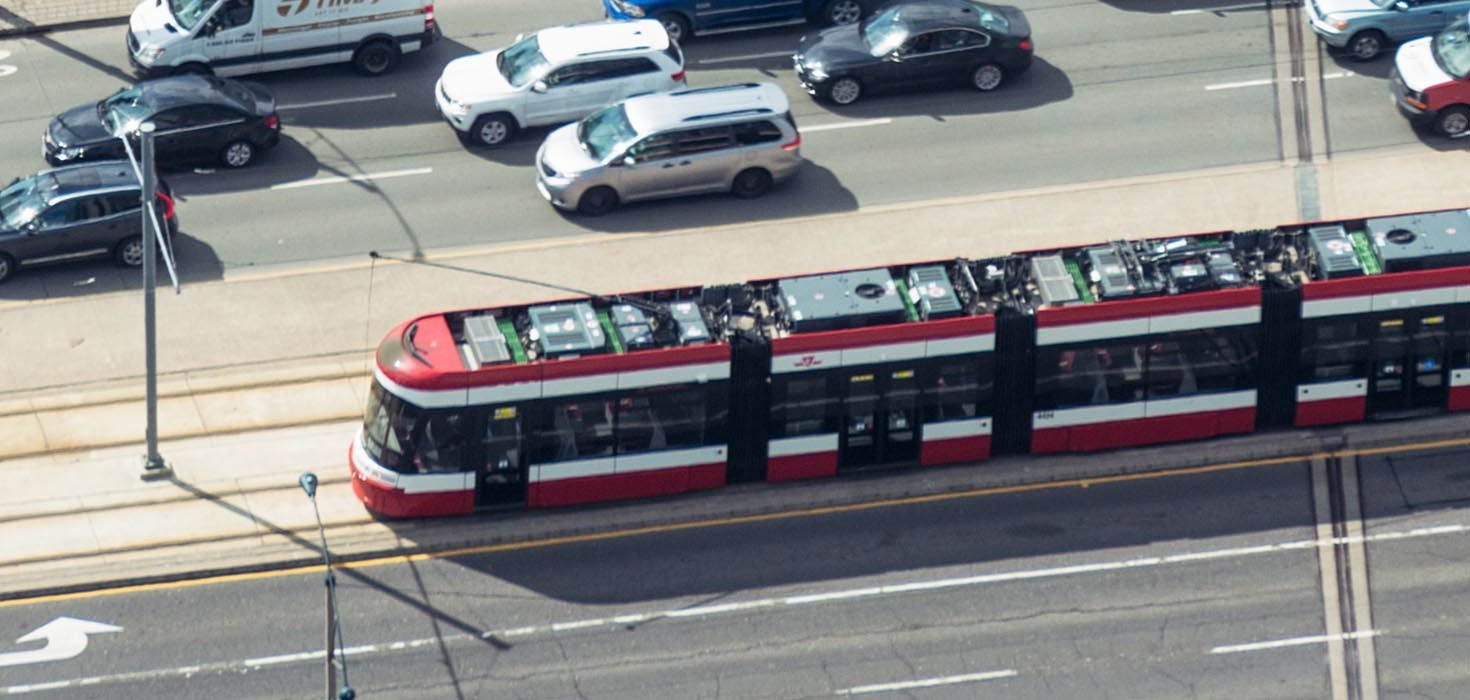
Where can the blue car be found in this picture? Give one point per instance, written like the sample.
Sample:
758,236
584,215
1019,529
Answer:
685,18
1368,27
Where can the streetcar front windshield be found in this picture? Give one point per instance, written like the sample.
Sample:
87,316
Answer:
405,438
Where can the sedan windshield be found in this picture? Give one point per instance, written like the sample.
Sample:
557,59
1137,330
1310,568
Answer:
605,131
885,31
1451,49
24,199
188,12
124,109
522,62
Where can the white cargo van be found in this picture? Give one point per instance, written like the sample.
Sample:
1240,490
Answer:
231,37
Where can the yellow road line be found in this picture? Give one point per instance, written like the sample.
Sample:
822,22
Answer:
742,519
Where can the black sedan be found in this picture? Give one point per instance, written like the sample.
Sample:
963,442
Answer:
916,44
77,211
198,119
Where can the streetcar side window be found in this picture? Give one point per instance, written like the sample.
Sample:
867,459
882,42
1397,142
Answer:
1191,362
575,429
1333,349
953,392
802,405
438,442
1085,374
662,419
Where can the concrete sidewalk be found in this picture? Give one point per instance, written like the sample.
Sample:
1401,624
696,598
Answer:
32,16
245,357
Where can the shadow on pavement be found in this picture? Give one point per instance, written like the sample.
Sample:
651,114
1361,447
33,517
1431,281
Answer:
197,262
1096,524
814,190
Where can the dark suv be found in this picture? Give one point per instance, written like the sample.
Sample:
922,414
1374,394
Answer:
77,211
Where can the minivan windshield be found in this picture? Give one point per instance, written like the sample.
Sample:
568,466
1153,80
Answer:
522,62
1451,49
188,12
602,133
24,199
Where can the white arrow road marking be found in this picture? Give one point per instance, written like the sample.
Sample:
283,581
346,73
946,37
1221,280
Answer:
65,637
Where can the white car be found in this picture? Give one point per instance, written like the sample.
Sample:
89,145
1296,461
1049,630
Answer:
557,75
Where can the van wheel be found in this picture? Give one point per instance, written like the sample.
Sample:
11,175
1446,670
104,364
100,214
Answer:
237,154
675,25
837,12
375,58
492,130
987,77
129,251
844,91
598,201
751,183
1366,45
1453,121
193,69
7,267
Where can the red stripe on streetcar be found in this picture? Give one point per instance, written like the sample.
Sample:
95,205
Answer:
1143,431
1153,306
895,333
609,487
1459,398
813,465
394,503
643,359
1329,411
1377,284
953,450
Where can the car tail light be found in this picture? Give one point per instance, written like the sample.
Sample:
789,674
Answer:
679,75
1025,44
793,144
273,122
168,204
429,17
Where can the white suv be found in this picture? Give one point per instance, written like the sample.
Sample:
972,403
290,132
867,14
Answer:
557,75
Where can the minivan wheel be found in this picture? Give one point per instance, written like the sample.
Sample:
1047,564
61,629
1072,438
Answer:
1453,121
7,267
842,11
844,91
492,130
129,251
375,58
237,154
1366,45
676,26
751,183
598,201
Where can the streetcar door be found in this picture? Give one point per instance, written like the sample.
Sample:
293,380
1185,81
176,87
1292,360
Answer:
1410,365
880,421
501,477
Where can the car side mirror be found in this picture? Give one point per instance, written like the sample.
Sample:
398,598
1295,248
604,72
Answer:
892,56
1401,6
539,86
31,227
627,160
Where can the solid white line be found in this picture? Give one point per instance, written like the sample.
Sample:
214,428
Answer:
351,178
341,101
915,586
733,59
1294,642
928,682
1255,6
845,125
1269,81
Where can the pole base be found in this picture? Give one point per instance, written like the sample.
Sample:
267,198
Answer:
155,469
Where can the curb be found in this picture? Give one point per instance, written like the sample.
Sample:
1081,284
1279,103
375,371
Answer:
760,501
31,30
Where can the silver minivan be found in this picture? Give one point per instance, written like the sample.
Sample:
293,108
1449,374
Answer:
732,138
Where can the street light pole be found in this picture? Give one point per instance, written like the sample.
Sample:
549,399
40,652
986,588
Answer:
153,465
308,483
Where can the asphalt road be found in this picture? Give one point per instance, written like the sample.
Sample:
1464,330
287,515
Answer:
1203,585
1118,89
